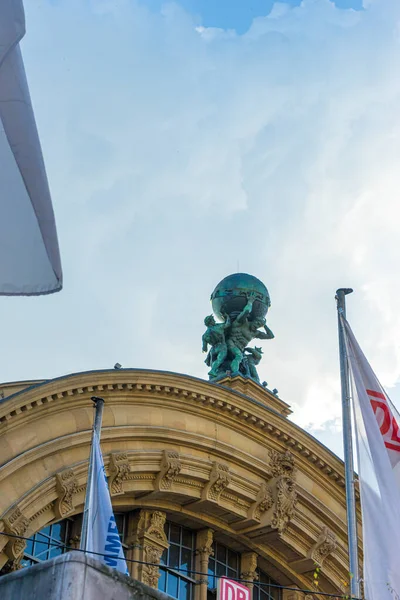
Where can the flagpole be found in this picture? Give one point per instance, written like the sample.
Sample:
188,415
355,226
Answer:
98,418
348,447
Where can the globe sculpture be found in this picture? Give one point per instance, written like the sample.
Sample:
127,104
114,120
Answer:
241,302
230,296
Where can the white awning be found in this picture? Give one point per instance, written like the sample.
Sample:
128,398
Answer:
29,255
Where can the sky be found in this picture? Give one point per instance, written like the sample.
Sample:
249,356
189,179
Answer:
186,141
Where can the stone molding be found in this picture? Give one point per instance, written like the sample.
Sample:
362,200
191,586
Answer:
31,399
119,470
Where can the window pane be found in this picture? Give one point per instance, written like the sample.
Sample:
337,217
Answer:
172,585
186,559
232,560
45,530
56,532
40,550
221,569
184,590
221,553
187,538
173,556
162,582
175,534
211,570
29,546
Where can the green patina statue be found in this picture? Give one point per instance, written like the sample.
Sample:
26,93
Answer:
241,301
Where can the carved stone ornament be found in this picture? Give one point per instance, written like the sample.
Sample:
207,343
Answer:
118,469
204,543
325,545
248,566
281,463
220,478
17,524
151,572
263,502
285,503
170,468
156,528
66,487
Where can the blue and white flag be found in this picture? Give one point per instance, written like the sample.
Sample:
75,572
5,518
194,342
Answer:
29,255
102,532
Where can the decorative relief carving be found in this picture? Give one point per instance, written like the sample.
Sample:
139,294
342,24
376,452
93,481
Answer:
66,487
171,466
119,470
248,566
325,545
17,524
285,503
147,535
220,478
151,572
263,502
281,463
156,527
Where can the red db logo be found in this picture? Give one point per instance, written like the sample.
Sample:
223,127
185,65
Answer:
230,590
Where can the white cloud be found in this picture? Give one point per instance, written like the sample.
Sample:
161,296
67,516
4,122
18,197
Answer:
176,152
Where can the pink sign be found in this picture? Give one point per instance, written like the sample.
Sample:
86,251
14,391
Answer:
231,590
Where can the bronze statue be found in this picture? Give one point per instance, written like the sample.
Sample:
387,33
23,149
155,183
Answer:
243,330
241,301
215,337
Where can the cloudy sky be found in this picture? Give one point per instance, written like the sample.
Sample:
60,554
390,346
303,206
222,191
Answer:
186,141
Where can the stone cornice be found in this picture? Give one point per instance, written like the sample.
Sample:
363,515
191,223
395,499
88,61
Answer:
121,386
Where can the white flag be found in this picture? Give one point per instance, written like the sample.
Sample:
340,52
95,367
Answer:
102,532
378,446
29,255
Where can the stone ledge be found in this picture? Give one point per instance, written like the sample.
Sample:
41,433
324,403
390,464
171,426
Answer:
74,576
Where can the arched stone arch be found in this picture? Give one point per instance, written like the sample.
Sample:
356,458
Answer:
215,456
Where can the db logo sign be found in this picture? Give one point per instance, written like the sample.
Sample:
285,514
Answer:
230,590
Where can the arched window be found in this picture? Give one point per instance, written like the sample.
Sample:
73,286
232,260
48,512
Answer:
262,589
177,580
47,543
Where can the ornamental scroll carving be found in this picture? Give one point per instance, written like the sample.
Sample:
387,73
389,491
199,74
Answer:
220,478
325,545
171,466
66,487
263,502
119,470
17,524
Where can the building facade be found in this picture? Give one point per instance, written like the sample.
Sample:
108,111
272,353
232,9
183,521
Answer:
206,479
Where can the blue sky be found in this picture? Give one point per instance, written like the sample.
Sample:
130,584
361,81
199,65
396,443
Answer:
235,14
178,149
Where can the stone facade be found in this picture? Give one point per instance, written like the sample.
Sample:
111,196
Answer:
222,459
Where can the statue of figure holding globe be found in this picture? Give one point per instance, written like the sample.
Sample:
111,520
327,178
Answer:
241,301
